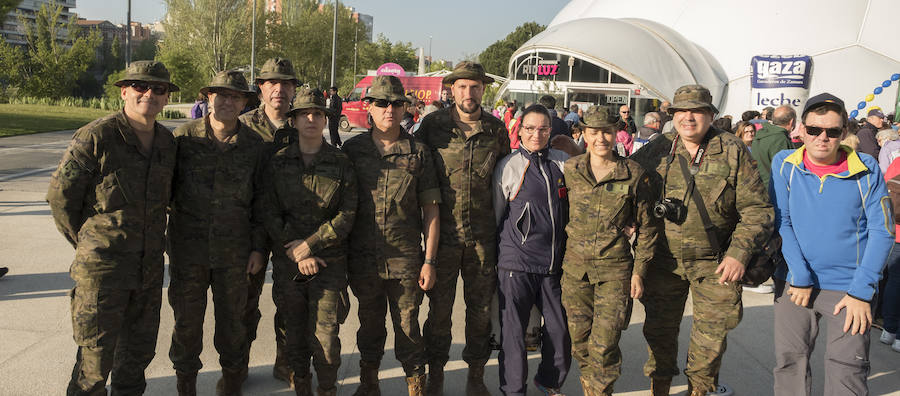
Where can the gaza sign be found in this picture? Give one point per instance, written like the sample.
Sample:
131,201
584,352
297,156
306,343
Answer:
777,80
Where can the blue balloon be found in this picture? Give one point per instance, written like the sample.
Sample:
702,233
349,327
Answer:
854,113
886,83
895,76
877,90
861,105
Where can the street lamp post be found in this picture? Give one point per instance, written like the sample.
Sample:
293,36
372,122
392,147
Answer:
128,36
355,47
253,45
334,41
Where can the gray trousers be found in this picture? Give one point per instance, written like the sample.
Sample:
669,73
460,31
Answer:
796,328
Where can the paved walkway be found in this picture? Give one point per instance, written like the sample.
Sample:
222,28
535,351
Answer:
37,351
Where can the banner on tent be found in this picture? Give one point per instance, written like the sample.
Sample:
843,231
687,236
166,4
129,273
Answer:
777,80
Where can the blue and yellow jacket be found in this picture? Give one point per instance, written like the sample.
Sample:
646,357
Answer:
837,230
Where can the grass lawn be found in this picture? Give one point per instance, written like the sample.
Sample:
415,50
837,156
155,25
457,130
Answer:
21,119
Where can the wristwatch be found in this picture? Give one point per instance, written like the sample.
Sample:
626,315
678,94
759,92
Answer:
431,261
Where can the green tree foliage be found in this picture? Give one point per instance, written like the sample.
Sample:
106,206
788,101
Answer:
8,5
495,58
53,58
145,50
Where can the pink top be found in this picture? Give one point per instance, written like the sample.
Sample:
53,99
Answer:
822,170
893,170
625,138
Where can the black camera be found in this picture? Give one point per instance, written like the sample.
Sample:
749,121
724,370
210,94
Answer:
671,209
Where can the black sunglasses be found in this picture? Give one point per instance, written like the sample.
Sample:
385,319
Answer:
142,87
832,133
385,103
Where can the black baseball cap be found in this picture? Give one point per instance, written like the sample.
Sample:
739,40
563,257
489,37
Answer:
820,100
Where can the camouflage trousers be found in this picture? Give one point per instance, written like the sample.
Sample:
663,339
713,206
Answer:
597,312
115,330
252,314
188,295
479,274
311,315
717,310
404,297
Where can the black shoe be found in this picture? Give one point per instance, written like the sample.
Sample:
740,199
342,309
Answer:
3,271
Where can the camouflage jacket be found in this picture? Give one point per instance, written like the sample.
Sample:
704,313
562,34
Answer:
465,167
109,200
599,211
210,216
259,122
315,203
387,236
735,197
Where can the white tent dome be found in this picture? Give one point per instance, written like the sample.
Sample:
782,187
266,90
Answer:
851,43
666,60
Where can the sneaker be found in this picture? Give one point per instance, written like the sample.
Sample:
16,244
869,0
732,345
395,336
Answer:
761,289
721,390
533,339
547,391
887,338
896,346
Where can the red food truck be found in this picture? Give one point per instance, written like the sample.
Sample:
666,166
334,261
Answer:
353,115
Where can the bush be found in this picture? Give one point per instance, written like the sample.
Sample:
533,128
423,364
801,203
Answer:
93,103
171,114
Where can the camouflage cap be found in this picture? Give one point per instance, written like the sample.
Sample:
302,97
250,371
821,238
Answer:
692,97
597,117
309,98
387,88
469,71
277,69
228,79
149,71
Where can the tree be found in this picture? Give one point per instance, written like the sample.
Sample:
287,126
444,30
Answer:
53,58
8,5
145,50
495,58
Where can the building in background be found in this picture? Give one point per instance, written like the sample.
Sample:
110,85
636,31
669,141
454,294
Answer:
14,33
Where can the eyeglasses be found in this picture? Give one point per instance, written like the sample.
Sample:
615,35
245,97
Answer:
832,133
141,87
535,129
383,103
625,112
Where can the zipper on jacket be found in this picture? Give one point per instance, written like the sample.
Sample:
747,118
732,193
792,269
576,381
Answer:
541,161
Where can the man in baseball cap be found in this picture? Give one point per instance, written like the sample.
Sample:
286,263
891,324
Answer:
866,134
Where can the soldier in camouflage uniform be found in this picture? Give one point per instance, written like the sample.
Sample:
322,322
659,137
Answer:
397,183
276,84
108,198
608,196
466,143
308,208
214,242
736,205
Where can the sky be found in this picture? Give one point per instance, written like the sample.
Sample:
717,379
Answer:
457,27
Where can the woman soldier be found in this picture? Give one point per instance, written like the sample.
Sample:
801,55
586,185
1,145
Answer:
397,185
308,207
608,196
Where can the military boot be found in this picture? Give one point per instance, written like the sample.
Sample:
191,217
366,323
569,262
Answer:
368,379
416,385
282,368
660,386
186,384
435,384
230,383
302,385
475,381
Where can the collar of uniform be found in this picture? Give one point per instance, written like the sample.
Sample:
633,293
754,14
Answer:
584,169
403,145
714,145
325,154
444,118
130,136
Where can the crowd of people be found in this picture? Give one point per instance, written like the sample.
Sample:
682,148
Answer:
575,214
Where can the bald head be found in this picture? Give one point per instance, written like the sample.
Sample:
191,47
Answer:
784,116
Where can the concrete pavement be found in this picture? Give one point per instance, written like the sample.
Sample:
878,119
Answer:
37,351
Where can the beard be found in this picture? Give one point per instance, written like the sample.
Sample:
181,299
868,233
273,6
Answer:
469,106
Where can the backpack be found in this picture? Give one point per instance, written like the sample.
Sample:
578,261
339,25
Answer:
893,187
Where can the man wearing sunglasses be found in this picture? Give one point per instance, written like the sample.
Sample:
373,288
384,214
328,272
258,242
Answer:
717,215
466,143
834,216
108,198
277,85
214,241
